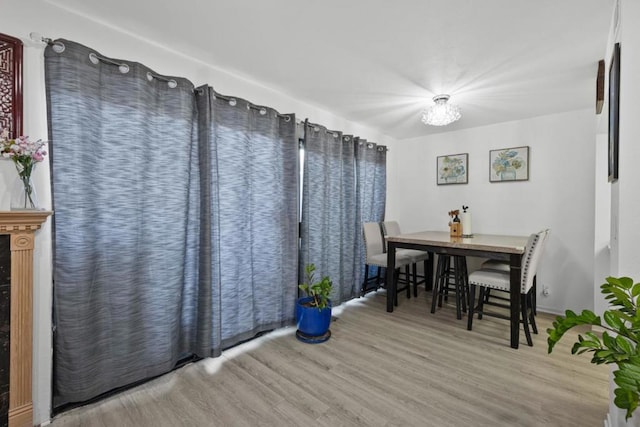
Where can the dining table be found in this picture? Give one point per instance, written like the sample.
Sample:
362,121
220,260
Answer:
497,247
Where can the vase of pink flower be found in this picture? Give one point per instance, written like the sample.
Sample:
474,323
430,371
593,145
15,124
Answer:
25,155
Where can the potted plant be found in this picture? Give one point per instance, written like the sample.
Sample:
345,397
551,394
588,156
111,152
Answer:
619,342
313,311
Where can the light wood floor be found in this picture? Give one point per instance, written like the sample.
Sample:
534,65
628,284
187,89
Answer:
408,368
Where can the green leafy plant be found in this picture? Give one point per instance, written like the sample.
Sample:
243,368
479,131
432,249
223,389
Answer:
621,348
319,291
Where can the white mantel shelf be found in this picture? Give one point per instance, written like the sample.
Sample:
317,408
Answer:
21,226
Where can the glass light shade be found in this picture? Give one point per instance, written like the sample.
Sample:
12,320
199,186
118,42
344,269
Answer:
442,113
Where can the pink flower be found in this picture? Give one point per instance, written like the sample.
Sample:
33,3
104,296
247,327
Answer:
24,153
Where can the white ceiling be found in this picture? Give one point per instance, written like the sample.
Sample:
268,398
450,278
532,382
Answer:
379,62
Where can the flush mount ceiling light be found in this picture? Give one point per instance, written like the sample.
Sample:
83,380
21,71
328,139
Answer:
442,113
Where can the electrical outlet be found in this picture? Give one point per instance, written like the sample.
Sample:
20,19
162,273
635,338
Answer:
545,291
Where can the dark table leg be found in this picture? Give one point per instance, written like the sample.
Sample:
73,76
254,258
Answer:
514,279
391,268
428,274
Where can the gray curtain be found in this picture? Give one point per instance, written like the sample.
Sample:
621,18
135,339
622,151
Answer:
250,193
125,182
328,232
176,219
371,169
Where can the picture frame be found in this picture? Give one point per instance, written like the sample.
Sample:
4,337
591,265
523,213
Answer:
452,169
509,164
614,113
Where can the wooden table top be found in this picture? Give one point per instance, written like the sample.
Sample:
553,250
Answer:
483,242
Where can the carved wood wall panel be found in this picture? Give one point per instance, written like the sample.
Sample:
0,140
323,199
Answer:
11,85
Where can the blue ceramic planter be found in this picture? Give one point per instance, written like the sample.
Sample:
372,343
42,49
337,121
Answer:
313,324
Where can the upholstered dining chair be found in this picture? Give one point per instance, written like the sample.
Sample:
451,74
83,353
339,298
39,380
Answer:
375,256
392,228
499,265
487,278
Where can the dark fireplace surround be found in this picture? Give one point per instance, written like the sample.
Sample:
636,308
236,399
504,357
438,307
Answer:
5,322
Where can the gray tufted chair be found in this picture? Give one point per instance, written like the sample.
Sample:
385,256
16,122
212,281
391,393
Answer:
498,278
392,228
375,255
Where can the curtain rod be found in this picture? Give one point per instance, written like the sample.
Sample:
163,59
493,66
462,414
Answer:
39,38
233,101
59,47
316,127
172,83
124,68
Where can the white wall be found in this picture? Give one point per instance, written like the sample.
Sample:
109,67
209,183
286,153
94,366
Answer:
21,17
602,225
625,200
559,194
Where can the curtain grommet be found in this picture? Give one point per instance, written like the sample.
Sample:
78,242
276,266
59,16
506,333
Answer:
58,47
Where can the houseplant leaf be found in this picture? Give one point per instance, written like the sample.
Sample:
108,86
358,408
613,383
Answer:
618,343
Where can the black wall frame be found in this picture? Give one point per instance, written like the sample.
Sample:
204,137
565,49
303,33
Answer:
614,112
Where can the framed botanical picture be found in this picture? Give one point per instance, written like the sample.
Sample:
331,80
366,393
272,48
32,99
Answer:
453,169
509,164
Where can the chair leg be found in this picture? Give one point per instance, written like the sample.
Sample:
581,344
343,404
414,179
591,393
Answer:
407,276
465,282
472,296
441,279
534,296
414,268
525,320
451,277
363,288
434,294
458,286
444,291
481,301
532,317
462,287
